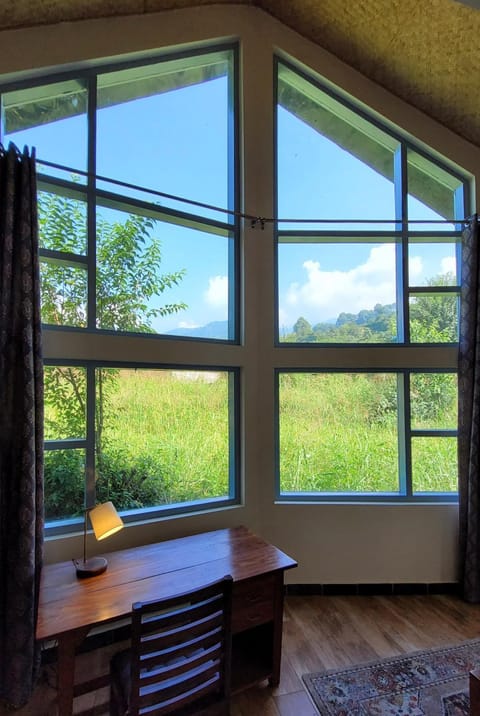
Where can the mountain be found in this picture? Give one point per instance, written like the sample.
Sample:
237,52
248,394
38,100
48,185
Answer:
215,329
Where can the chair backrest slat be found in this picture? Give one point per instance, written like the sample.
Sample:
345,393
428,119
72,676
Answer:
181,651
196,629
178,688
155,667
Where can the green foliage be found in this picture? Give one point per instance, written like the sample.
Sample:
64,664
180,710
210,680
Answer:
128,269
165,441
368,326
128,278
338,433
64,478
131,482
433,317
65,402
303,331
434,400
128,261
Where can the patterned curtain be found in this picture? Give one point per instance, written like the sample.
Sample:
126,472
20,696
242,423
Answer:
21,426
469,415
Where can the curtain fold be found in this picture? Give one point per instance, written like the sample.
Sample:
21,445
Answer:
21,426
469,415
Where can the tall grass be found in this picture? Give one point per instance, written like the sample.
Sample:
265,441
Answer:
166,437
339,433
176,422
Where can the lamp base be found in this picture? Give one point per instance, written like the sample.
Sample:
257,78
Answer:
90,567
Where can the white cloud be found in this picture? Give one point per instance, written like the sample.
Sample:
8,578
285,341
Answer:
217,293
415,268
325,294
449,265
188,324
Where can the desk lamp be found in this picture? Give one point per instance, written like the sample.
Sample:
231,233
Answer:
105,522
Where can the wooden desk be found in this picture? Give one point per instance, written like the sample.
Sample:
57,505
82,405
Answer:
70,607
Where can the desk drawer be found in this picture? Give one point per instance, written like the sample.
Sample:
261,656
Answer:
253,602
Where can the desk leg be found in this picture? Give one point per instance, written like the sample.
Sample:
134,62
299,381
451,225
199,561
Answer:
475,692
274,679
67,644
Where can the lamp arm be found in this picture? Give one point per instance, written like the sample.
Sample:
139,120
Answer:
85,523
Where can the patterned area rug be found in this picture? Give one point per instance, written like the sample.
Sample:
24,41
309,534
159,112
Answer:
423,683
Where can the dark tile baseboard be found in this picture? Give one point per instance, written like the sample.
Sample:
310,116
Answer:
373,589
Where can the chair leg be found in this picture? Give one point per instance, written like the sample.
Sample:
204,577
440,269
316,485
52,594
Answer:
114,708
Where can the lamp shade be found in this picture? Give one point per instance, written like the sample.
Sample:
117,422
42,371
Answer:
105,520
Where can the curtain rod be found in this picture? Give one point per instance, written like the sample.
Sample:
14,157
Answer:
254,220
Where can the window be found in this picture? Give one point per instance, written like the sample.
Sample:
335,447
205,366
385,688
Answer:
138,191
180,452
119,252
368,256
376,435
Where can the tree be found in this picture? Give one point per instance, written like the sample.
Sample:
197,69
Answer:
303,331
433,318
128,276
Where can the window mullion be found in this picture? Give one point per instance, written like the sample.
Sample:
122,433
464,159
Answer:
91,202
401,216
90,467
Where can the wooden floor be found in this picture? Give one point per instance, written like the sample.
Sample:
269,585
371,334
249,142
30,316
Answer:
319,633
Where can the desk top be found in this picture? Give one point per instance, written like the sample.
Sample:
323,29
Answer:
150,572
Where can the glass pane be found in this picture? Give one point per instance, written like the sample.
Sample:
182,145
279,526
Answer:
336,292
433,194
434,464
53,119
433,401
432,264
177,422
65,402
62,223
434,318
161,278
338,433
63,294
64,477
332,163
179,113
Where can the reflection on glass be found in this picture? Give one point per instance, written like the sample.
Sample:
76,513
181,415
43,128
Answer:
337,292
433,401
434,464
434,194
52,118
63,291
434,318
332,163
179,113
161,278
65,402
64,480
338,433
177,422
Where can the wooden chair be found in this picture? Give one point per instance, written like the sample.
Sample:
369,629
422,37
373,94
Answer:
179,661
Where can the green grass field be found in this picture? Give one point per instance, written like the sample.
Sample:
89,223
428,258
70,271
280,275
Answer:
165,437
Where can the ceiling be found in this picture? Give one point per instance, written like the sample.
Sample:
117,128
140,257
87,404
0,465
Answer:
425,51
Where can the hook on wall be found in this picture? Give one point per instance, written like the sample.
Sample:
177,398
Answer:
257,220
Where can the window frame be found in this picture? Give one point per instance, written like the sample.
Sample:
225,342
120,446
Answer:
405,433
402,357
95,195
60,526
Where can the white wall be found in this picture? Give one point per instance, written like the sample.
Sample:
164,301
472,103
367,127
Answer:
334,543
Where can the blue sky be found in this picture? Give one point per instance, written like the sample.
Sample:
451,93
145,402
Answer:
177,143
